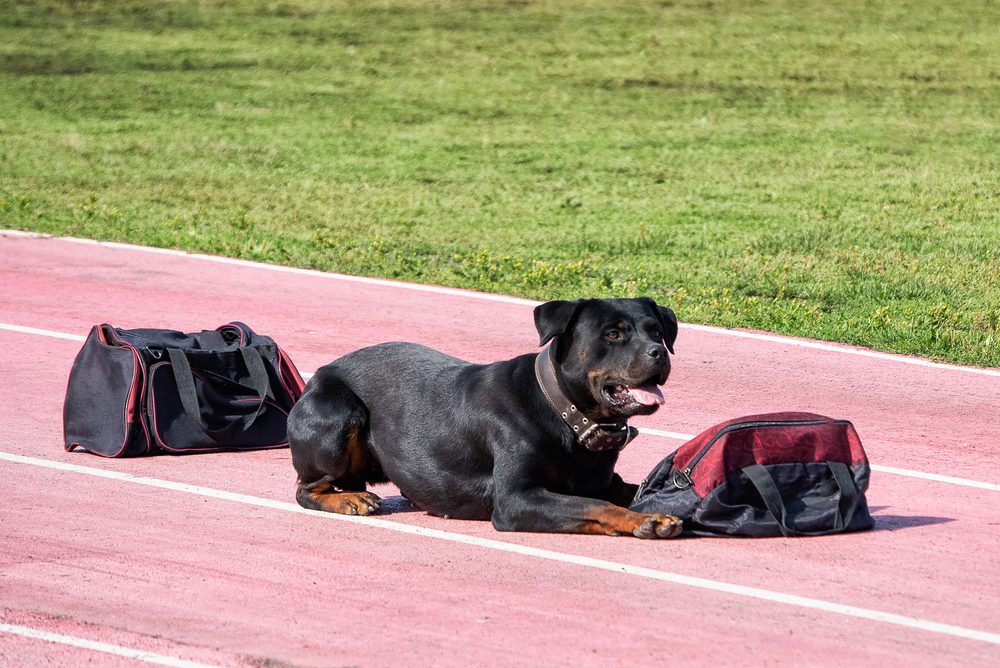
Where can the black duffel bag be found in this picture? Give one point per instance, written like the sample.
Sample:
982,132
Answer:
778,474
143,391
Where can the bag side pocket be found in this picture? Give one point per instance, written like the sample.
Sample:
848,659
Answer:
101,413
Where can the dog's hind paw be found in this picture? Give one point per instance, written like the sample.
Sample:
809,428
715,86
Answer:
658,526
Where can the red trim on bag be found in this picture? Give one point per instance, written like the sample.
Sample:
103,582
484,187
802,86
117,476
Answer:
232,325
287,368
141,402
136,393
830,440
135,397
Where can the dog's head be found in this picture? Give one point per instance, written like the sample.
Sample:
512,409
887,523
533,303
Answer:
610,354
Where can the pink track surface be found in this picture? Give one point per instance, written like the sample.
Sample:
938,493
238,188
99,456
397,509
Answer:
227,582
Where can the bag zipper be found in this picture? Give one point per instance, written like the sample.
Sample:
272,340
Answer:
682,479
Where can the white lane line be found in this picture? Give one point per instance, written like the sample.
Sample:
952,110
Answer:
652,432
455,292
538,553
666,434
83,643
829,347
952,480
41,332
382,282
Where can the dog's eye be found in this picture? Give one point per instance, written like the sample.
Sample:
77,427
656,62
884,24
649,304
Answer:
613,335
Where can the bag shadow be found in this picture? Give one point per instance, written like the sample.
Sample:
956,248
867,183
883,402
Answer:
885,522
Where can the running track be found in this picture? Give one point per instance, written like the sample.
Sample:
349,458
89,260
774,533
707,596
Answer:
206,560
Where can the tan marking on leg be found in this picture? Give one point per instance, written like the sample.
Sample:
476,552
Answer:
617,521
361,465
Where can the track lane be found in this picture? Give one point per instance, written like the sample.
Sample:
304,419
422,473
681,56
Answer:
501,336
321,592
932,419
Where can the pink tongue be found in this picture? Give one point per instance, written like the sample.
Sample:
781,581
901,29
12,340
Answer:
648,395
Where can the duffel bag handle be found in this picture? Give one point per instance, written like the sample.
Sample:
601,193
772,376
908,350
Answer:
846,505
184,378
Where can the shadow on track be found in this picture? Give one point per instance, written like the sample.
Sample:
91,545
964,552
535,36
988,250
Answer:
896,522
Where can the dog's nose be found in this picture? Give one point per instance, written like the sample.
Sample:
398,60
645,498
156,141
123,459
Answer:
656,352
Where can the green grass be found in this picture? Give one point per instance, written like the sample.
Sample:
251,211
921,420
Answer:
824,169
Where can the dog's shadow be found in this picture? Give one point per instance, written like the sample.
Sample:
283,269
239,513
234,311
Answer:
896,522
396,504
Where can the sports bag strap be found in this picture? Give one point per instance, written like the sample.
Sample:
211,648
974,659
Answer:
846,505
184,378
258,374
849,495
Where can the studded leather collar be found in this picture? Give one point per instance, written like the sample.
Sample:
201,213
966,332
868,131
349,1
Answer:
589,433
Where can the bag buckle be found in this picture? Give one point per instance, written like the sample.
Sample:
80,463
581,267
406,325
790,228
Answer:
682,479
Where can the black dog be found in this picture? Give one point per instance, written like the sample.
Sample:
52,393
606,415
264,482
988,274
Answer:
529,443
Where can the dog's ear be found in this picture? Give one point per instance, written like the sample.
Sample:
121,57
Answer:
669,321
668,324
554,318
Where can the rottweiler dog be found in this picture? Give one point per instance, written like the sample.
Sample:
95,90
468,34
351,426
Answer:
528,443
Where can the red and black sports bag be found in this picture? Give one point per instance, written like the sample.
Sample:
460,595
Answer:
778,474
146,391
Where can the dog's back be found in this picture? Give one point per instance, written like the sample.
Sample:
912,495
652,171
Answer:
386,375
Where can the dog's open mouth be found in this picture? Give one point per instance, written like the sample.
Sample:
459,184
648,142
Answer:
624,396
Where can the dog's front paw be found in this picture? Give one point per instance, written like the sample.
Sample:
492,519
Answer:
326,497
358,503
658,526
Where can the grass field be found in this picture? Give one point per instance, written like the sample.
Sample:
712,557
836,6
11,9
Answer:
825,169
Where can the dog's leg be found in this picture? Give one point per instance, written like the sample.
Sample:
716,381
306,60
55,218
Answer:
617,521
545,511
326,434
619,492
